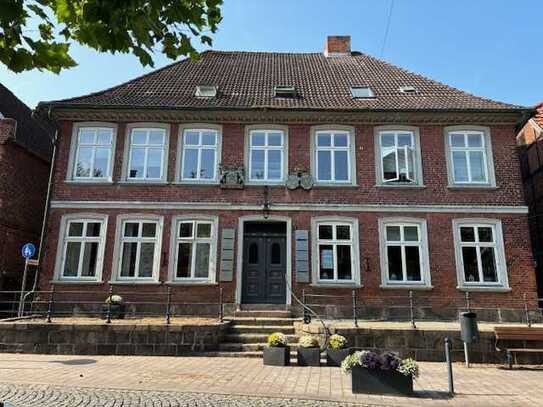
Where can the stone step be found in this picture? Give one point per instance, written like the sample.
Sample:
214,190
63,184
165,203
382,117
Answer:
247,347
249,354
262,329
264,307
262,321
255,338
263,314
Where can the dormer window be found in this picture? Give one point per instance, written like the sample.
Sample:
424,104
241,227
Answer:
284,91
408,89
206,91
362,92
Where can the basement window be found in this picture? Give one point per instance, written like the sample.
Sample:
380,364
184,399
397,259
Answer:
408,89
284,91
206,91
362,92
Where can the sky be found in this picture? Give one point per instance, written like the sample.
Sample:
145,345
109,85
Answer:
491,48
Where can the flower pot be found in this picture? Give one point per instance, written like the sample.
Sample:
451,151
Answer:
309,356
276,356
378,381
117,311
334,357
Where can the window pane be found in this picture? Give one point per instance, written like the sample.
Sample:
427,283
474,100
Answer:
275,139
253,253
393,233
326,256
90,257
276,253
84,161
467,234
489,264
209,138
341,165
156,137
274,164
86,136
202,260
387,140
324,140
71,262
101,162
389,163
104,137
344,262
147,254
325,232
139,137
185,229
204,230
184,259
405,140
477,166
93,229
207,166
404,168
75,229
341,140
191,138
154,163
258,139
457,140
131,229
485,234
412,262
128,259
257,164
411,233
475,140
137,158
460,166
469,258
324,170
394,257
343,232
190,165
148,230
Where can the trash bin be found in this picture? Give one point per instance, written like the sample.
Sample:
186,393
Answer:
468,327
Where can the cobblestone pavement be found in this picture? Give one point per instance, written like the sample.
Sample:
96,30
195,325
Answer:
207,378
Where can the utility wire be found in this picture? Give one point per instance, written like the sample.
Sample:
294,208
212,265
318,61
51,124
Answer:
387,28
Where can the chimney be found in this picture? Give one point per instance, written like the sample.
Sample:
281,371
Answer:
337,45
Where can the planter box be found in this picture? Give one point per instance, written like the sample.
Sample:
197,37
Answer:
274,356
309,356
117,311
377,381
334,357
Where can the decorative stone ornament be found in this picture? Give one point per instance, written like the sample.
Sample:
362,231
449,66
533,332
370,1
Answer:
232,177
307,181
293,181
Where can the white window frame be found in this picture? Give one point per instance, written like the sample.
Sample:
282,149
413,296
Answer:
486,149
63,239
117,257
351,154
181,153
417,156
499,254
355,250
74,150
422,244
128,152
283,148
175,240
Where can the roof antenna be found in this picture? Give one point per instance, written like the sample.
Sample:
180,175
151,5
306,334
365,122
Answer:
387,28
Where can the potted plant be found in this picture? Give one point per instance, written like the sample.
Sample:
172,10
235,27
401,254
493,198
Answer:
278,352
337,350
380,374
309,351
115,305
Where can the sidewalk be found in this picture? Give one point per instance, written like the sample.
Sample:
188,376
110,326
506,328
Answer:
479,385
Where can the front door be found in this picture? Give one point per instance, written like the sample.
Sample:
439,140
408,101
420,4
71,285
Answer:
264,268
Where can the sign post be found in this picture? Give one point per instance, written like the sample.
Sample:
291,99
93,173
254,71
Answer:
27,251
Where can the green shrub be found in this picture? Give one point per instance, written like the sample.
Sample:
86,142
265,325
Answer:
337,342
277,340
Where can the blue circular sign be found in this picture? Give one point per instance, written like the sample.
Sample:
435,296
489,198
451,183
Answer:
28,251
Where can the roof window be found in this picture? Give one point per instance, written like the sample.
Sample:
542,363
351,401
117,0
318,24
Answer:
284,91
408,89
206,91
362,92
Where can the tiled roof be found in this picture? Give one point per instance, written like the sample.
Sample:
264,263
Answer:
538,117
246,80
32,133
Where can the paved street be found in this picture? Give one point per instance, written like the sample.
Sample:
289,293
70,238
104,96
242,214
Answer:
54,380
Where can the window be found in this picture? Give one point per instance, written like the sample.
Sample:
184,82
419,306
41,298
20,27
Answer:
200,155
82,249
282,91
335,251
479,253
206,91
93,154
333,156
469,157
362,92
398,156
266,156
404,252
139,249
194,247
146,156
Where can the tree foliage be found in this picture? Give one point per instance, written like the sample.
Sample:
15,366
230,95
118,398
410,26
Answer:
36,34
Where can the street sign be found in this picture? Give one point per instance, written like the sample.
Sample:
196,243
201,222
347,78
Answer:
28,251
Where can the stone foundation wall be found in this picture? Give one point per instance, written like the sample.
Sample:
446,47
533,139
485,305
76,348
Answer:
153,340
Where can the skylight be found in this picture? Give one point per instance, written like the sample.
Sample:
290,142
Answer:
362,92
408,89
206,91
284,91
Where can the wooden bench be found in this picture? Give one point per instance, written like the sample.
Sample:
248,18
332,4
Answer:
522,334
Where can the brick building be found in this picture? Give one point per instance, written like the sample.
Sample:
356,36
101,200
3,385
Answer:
25,150
261,172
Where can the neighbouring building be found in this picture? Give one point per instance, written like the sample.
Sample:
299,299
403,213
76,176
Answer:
25,154
261,172
530,140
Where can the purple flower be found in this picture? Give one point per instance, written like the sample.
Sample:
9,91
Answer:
390,361
371,360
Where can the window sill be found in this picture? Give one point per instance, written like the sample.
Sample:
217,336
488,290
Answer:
88,282
472,187
135,282
89,182
406,287
142,182
492,289
263,184
400,186
336,285
192,283
335,185
197,183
